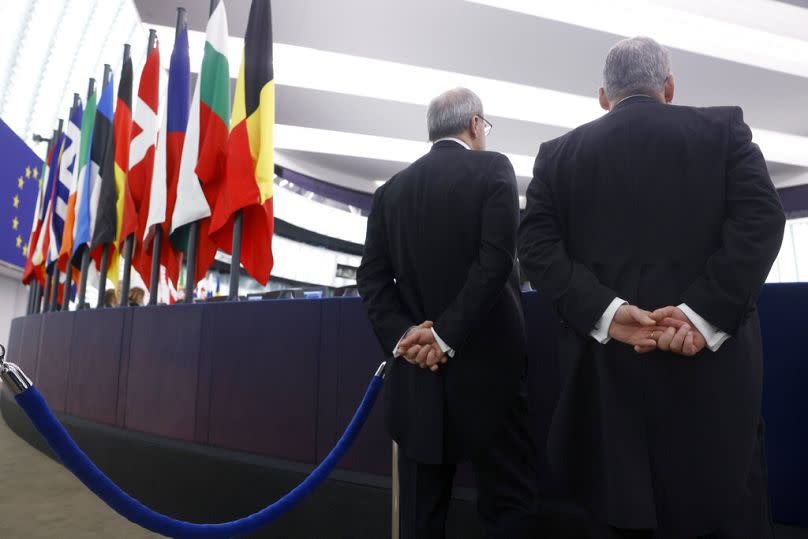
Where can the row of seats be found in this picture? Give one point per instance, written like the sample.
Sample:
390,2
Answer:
294,293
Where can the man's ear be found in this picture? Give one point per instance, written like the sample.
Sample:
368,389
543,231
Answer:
604,103
669,89
472,128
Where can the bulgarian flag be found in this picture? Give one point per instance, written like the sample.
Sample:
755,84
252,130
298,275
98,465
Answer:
141,159
163,192
205,149
70,173
250,161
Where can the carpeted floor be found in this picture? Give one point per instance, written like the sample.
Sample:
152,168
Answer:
40,499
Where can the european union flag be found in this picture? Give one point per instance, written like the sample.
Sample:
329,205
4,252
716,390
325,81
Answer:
20,170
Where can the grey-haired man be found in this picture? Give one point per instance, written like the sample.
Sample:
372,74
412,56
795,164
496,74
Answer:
441,247
652,230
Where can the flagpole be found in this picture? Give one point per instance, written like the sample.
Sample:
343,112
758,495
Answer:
38,298
158,231
51,291
153,280
54,296
155,266
41,297
235,260
47,291
193,231
129,245
190,265
85,255
68,269
29,307
102,280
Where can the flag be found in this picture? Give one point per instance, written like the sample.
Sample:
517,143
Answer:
123,136
42,249
61,192
83,227
167,159
250,161
141,161
205,149
69,176
103,197
31,270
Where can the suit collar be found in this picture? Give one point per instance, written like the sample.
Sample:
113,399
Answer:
634,99
447,143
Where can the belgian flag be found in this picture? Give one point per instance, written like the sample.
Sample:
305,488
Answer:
103,197
249,170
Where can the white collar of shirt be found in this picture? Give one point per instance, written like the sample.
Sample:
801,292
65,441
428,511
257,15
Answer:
453,139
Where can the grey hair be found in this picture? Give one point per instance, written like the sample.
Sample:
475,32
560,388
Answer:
638,65
450,113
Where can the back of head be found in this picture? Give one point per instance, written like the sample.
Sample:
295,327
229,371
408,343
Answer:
136,296
110,298
451,113
638,65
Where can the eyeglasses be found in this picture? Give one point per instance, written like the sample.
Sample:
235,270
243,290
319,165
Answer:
487,126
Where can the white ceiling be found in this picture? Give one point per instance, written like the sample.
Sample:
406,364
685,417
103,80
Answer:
510,53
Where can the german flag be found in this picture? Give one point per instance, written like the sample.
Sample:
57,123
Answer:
249,170
123,137
122,127
103,197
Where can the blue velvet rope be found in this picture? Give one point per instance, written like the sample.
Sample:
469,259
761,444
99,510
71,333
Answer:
77,462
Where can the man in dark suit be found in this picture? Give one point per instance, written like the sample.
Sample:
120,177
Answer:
653,206
440,253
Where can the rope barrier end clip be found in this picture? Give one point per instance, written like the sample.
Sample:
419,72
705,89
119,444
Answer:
12,375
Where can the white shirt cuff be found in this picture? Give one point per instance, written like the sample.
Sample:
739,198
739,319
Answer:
714,336
601,331
445,348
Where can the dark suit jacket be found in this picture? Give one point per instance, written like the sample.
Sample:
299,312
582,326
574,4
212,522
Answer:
441,246
659,205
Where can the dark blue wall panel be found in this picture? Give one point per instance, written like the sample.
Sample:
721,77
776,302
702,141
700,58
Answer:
263,376
784,317
95,359
163,370
55,341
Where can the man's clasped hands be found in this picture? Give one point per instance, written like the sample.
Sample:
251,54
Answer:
667,329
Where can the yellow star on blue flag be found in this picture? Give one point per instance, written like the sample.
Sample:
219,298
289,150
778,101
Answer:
15,223
20,182
19,241
24,250
28,172
36,173
16,201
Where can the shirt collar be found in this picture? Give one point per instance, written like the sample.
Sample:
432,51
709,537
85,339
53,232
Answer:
453,139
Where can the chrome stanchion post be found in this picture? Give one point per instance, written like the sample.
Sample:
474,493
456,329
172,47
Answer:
396,523
12,375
